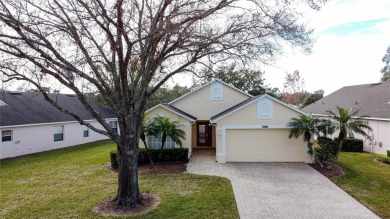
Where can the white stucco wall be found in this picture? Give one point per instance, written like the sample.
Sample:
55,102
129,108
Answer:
380,142
38,138
380,136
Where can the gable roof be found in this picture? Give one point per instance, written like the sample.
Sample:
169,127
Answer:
247,103
371,99
24,108
205,85
174,110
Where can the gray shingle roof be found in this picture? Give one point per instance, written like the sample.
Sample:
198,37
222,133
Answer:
372,100
31,108
179,111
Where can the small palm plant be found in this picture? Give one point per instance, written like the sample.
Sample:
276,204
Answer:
306,126
348,123
164,127
325,127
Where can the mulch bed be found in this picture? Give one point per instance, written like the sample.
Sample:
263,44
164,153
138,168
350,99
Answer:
163,168
108,207
336,170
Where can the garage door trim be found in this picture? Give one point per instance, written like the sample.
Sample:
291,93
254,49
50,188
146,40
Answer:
223,129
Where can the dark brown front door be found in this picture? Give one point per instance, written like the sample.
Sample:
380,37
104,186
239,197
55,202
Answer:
203,132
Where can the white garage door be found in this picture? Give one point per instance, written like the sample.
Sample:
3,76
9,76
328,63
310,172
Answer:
263,145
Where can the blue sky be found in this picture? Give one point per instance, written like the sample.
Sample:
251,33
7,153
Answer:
352,37
358,27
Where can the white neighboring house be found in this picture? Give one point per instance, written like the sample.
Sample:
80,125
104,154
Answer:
372,100
29,124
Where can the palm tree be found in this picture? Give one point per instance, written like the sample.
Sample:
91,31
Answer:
325,127
348,122
164,127
306,126
144,131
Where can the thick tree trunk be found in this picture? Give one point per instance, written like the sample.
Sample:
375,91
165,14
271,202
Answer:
128,189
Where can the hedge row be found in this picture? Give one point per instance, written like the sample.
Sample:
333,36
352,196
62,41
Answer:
351,145
388,153
382,158
174,154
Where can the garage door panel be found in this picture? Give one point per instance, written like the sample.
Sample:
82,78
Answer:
270,145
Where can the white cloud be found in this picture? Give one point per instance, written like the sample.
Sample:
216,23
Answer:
343,58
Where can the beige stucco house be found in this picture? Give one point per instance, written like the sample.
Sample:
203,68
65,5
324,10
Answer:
238,126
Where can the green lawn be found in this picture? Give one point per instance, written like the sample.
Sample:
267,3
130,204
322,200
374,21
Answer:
367,181
68,183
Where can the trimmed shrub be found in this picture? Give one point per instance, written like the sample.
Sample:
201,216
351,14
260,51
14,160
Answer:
351,145
388,153
382,158
174,154
114,162
326,150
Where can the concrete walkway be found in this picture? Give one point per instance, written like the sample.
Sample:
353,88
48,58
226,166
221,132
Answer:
280,190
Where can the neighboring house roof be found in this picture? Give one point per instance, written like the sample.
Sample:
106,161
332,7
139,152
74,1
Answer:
174,110
248,102
23,108
205,85
371,99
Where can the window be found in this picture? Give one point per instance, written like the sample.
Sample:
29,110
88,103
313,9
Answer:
86,132
155,142
6,135
59,133
265,109
216,91
114,125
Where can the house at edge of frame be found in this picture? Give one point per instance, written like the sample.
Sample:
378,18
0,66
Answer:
29,124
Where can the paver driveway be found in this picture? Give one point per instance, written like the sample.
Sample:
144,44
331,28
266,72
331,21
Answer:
280,190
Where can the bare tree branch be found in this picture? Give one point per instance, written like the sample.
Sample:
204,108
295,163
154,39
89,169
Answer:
127,49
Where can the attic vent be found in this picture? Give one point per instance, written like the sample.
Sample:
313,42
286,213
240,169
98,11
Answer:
15,93
70,95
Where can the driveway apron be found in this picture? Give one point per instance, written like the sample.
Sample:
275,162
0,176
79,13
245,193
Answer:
280,190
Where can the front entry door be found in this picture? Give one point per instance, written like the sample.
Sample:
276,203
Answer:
204,134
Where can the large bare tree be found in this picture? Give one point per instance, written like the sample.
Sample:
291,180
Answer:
127,49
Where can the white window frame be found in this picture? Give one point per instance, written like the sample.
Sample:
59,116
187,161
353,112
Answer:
265,102
58,130
9,135
154,142
86,130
